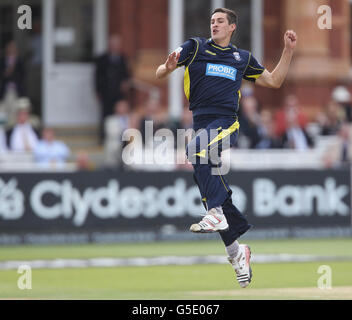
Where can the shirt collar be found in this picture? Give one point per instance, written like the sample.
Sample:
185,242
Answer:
231,47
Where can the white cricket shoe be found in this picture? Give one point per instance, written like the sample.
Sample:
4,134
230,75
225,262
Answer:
213,221
241,264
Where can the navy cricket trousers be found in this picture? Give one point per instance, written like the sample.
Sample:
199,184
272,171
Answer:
213,135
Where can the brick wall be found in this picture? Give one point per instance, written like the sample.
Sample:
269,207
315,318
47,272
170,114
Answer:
321,61
322,58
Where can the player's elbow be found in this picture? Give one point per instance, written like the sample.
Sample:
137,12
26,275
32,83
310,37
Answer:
270,85
276,85
269,80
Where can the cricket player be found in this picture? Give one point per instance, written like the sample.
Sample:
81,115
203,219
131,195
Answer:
214,69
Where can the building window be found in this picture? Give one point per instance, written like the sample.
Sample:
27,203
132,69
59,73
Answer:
197,18
6,26
242,37
74,31
9,29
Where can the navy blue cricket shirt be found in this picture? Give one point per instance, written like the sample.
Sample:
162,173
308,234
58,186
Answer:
213,75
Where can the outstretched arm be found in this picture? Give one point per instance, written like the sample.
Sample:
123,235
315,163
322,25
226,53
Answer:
170,65
275,78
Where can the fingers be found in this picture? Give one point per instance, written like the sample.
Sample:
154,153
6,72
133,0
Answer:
174,56
172,60
290,32
291,35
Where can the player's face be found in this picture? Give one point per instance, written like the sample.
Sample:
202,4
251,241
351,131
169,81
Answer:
220,27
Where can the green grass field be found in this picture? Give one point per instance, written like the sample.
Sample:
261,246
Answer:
291,280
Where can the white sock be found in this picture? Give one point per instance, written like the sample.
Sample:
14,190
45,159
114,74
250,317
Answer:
216,210
232,249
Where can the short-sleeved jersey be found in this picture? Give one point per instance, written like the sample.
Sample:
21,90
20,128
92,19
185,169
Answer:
213,75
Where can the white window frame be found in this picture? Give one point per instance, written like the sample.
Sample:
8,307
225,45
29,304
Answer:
350,76
257,34
52,68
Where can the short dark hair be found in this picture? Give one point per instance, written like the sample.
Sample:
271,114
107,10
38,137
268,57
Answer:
232,17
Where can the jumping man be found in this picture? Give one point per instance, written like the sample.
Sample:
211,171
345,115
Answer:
214,69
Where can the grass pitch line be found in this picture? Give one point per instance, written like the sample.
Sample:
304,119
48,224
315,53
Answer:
338,292
161,261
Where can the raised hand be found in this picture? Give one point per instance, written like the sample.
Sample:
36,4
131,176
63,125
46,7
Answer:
171,62
290,39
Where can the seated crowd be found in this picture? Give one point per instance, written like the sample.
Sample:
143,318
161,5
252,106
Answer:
285,128
25,135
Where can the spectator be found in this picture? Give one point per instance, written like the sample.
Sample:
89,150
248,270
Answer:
295,137
247,90
330,120
343,97
266,129
291,104
111,79
182,138
115,125
3,146
249,119
12,75
34,66
155,113
345,151
49,152
186,119
83,161
25,104
339,154
22,137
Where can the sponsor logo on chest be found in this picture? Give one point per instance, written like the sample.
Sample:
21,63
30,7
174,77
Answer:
220,70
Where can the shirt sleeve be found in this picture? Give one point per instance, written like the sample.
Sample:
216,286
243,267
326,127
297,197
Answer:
186,52
253,70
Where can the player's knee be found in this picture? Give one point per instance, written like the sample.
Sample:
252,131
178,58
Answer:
192,152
